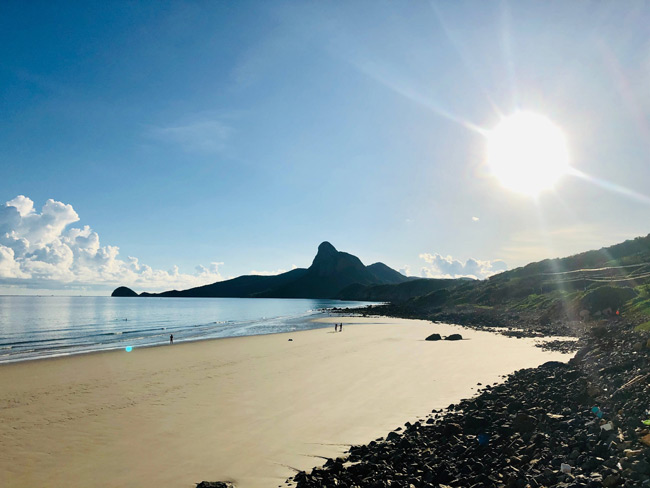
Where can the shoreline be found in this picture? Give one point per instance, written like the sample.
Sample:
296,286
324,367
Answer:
581,424
312,317
247,409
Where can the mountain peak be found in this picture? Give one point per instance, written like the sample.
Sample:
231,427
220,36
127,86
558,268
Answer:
329,261
326,248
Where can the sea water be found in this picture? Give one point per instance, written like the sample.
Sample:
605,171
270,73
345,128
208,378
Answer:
34,327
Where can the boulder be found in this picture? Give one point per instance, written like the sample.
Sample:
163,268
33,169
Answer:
454,337
433,337
214,484
524,423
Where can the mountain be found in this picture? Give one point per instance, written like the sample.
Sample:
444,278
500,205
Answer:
387,274
592,283
399,292
330,272
240,287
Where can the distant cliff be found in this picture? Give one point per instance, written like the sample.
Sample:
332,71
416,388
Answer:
331,272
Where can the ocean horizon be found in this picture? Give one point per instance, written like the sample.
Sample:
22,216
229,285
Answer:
36,327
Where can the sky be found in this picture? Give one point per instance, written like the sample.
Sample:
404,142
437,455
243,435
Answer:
165,145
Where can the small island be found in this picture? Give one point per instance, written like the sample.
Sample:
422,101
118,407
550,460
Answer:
123,291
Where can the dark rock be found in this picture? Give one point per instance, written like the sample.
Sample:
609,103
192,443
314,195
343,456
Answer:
392,436
611,480
433,337
452,429
524,423
214,484
454,337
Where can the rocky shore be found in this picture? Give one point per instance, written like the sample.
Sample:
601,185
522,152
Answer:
571,425
518,324
494,319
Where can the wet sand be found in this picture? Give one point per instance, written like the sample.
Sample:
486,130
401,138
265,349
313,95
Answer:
247,409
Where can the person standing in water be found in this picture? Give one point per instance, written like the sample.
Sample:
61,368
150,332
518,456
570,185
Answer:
171,338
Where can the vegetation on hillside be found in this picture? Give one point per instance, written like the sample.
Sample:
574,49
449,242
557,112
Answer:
607,281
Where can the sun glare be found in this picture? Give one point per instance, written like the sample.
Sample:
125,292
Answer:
527,153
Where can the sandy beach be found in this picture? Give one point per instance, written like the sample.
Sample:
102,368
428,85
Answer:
249,410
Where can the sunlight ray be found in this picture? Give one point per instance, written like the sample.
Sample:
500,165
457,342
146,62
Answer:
400,87
506,43
613,187
465,59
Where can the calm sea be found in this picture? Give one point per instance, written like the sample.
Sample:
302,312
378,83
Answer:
35,327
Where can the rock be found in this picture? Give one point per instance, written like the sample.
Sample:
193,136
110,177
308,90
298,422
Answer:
641,466
452,429
593,391
611,480
214,484
454,337
524,423
646,440
637,346
433,337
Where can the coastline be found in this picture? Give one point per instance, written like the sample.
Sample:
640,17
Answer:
106,324
248,409
581,424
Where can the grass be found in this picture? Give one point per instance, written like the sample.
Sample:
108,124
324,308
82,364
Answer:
643,326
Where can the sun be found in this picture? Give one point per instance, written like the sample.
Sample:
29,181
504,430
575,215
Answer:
527,153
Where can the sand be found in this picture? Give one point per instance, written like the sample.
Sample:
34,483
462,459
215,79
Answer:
250,410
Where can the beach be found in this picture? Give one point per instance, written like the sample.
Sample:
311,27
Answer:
251,410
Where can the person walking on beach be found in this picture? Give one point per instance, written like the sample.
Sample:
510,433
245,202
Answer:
341,327
171,338
336,327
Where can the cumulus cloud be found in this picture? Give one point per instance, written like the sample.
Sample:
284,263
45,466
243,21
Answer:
405,270
447,267
475,219
40,249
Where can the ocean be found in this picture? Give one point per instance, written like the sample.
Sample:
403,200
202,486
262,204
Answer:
33,327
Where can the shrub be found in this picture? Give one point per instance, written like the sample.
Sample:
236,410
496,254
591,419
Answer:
606,297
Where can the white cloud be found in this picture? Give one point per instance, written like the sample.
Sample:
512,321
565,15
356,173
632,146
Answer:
204,136
405,270
475,219
448,267
39,250
8,266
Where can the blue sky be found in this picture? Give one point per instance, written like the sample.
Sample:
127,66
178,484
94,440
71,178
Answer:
245,133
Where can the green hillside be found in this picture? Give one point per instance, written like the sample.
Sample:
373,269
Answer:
580,287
